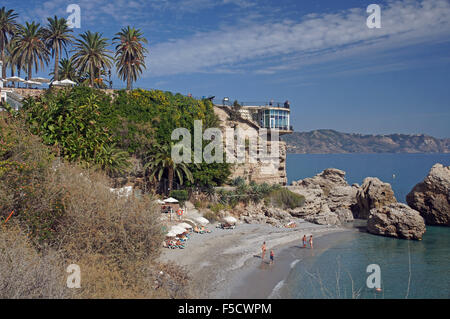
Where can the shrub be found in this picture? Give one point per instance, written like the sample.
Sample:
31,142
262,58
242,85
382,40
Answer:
25,273
238,181
284,198
216,208
181,195
72,120
211,216
71,216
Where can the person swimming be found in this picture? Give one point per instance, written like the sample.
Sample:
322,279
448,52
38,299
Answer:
311,241
271,256
304,241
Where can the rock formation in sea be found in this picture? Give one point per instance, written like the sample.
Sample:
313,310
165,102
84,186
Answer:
373,193
431,197
396,220
329,199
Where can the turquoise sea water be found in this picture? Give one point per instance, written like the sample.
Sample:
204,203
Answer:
337,266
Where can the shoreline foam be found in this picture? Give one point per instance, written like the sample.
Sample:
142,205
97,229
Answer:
220,262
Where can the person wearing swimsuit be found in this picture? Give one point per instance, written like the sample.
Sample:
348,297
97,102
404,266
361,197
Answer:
263,248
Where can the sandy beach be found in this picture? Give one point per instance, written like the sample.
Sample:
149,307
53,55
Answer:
227,263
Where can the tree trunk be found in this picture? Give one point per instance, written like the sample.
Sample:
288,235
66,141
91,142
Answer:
129,78
30,72
12,74
56,75
170,179
4,64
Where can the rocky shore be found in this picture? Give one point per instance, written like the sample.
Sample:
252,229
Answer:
431,197
330,200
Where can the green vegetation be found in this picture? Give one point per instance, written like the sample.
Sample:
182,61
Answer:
274,195
70,120
284,198
8,27
30,49
130,58
28,46
181,195
54,213
85,125
57,37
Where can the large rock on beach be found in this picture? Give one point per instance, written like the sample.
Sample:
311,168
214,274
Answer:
314,200
373,193
396,220
327,192
325,217
432,196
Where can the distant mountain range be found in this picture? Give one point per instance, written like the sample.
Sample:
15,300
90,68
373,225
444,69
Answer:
330,141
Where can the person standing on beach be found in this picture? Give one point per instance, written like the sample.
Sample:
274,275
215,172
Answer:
271,256
311,241
263,248
304,241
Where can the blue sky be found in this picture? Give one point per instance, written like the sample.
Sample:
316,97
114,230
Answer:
319,54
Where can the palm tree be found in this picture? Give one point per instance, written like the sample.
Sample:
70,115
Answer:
29,47
57,38
8,27
130,58
160,161
11,60
66,70
91,55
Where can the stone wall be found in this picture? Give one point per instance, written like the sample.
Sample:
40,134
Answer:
28,92
273,172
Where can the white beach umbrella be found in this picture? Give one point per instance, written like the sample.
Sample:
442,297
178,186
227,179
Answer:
159,201
189,222
202,220
170,200
56,83
15,79
171,234
177,230
32,82
184,225
40,80
68,82
230,220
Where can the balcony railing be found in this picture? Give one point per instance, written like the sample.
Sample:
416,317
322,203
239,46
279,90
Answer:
256,104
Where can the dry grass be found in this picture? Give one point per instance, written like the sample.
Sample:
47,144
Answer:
25,273
63,215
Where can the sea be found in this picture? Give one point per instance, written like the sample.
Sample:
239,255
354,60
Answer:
353,264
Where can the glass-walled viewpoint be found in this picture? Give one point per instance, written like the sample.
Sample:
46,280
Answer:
276,119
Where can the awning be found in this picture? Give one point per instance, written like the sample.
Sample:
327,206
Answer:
40,80
184,225
202,220
230,220
170,200
15,79
177,230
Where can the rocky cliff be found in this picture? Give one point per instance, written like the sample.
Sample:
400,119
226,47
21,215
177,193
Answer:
330,141
258,171
431,197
